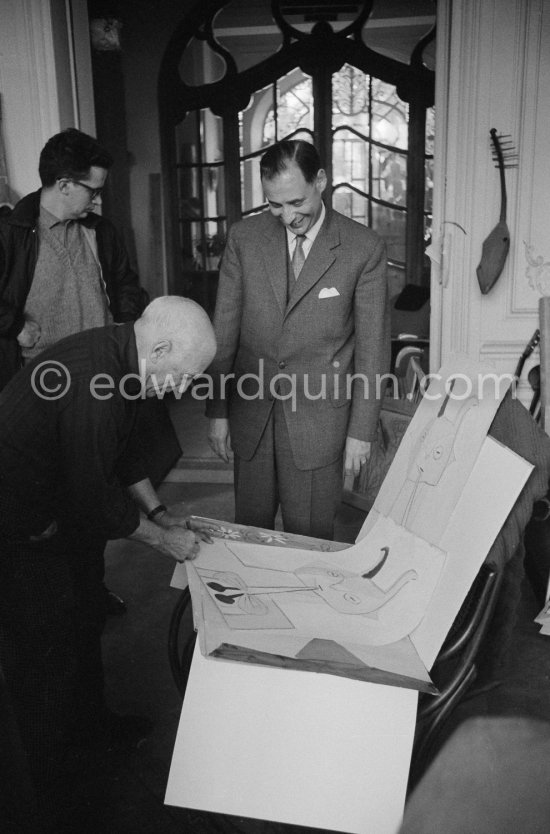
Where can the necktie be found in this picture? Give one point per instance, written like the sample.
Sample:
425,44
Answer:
298,256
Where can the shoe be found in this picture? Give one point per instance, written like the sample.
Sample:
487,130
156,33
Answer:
115,604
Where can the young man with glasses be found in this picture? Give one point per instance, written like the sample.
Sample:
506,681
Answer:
63,267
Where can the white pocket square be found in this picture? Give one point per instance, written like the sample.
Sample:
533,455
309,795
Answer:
328,292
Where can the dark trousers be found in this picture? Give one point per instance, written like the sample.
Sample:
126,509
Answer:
52,614
308,498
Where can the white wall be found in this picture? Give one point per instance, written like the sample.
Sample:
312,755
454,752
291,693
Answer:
40,89
28,85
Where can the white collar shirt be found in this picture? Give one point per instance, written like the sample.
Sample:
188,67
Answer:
310,235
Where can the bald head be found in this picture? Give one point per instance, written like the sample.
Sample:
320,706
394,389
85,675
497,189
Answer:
174,339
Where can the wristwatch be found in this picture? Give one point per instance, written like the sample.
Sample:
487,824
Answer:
158,510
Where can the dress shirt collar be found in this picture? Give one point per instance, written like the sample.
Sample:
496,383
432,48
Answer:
49,219
311,234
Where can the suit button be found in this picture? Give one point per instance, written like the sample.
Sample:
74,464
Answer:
282,365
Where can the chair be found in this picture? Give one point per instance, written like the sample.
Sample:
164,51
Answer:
414,377
456,667
181,641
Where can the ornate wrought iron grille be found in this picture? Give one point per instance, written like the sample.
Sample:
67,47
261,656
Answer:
307,70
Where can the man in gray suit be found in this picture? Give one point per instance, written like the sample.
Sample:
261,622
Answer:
302,326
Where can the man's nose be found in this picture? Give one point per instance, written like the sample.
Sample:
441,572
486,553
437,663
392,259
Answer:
288,216
96,200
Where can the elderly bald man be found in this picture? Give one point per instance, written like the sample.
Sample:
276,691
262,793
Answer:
70,472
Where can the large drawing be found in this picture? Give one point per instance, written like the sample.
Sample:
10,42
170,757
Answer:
259,599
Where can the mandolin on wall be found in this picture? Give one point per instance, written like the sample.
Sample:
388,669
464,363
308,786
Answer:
496,245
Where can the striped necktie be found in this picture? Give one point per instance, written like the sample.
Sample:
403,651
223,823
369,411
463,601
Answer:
298,256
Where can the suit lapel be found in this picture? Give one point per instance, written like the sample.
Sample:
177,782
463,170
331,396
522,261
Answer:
320,258
274,253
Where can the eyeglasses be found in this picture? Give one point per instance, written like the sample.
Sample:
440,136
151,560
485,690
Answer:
94,192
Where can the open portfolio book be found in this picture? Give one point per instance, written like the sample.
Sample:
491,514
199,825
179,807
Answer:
380,609
314,605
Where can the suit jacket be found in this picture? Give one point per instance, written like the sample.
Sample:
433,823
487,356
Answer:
305,352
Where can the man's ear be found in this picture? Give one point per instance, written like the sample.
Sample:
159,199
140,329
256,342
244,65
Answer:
160,350
321,179
63,185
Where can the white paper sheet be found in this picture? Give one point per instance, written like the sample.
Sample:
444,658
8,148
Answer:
439,450
497,479
293,747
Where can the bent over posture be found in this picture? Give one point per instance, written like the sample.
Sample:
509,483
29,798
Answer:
68,454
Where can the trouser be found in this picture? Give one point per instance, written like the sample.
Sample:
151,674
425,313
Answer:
52,614
308,498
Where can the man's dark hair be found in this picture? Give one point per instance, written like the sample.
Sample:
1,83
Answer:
71,154
277,159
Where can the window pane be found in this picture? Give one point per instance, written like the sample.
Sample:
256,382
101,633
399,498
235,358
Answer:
350,203
350,99
200,189
430,130
390,224
389,176
369,130
274,112
389,116
350,159
293,110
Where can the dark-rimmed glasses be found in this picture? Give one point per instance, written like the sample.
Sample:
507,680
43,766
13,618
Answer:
94,192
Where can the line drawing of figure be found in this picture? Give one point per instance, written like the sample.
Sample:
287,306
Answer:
349,593
432,457
344,591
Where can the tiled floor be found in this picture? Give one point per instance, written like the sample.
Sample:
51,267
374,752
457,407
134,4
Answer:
123,793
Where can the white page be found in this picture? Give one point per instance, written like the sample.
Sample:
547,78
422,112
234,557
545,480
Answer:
438,451
293,747
497,479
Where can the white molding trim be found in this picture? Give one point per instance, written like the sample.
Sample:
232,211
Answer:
29,88
531,120
81,64
439,260
504,349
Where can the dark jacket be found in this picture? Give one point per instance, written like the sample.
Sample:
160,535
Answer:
70,456
18,255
